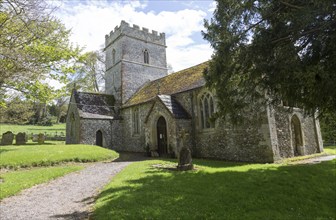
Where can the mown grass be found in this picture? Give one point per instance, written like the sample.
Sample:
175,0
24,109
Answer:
18,156
15,181
220,190
330,149
32,129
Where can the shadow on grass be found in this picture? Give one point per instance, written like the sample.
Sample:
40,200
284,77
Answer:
2,150
284,192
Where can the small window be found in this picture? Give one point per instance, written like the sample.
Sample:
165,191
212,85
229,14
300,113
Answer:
136,121
207,109
113,56
146,56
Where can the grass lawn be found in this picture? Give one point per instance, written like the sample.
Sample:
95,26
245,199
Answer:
220,190
32,128
15,181
330,149
16,156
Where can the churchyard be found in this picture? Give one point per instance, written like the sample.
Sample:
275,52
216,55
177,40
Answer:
154,188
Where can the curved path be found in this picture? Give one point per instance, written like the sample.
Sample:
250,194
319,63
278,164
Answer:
67,197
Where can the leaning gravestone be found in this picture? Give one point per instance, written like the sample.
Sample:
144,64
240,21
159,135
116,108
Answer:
185,161
7,138
21,138
40,138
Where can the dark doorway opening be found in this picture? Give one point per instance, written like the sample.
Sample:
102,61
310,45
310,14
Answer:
162,136
296,136
99,138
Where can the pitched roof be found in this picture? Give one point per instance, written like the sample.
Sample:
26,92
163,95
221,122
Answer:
174,107
181,81
94,105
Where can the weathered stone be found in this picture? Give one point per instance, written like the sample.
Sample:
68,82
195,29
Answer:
41,138
35,138
185,161
21,138
7,138
154,154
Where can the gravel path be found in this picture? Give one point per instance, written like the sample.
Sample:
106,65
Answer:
68,197
315,159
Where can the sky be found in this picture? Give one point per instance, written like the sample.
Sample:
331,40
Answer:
181,21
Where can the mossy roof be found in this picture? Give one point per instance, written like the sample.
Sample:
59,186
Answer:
181,81
94,105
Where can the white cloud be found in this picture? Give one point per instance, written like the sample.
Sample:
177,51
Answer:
91,21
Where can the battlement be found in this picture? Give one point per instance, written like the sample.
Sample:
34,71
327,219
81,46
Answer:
136,32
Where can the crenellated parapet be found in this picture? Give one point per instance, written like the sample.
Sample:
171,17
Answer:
135,32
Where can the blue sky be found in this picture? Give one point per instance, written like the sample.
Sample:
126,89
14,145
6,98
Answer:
182,21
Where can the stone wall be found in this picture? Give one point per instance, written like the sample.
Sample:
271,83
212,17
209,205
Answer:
134,142
89,127
311,134
248,142
72,127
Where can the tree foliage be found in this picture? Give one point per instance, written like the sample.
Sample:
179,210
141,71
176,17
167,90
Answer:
34,46
89,74
283,49
17,111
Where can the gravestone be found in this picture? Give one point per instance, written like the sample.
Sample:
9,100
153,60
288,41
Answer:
40,138
35,138
184,157
21,138
7,138
185,161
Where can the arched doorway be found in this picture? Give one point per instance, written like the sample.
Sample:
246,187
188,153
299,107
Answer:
99,138
297,142
162,136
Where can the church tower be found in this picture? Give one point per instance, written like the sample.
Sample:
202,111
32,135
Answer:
134,56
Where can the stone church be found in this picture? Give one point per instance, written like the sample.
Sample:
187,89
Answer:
145,109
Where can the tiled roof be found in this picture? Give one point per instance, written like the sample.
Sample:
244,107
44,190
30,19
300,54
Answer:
94,105
181,81
174,107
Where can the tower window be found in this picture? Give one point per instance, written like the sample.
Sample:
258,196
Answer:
146,56
113,56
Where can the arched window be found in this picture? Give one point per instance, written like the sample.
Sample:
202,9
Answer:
136,121
297,140
113,56
207,109
146,56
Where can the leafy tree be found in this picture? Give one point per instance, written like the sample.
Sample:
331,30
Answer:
34,46
328,127
17,111
89,75
283,49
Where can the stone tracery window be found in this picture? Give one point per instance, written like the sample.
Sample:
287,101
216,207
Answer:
146,56
207,109
136,121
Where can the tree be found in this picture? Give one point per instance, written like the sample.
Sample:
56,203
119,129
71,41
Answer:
17,111
89,75
34,46
285,50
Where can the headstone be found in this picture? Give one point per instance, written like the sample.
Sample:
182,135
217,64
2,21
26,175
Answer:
154,153
35,137
184,157
185,161
7,138
41,138
21,138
